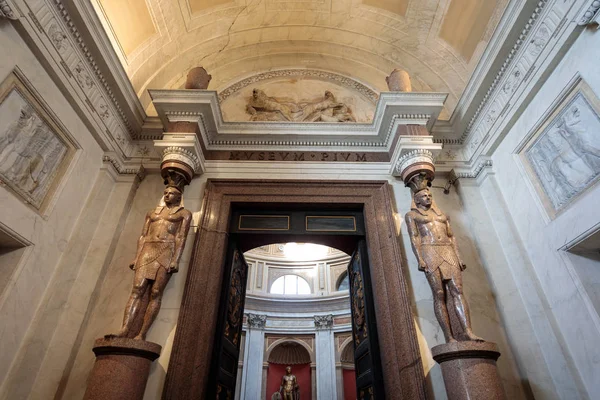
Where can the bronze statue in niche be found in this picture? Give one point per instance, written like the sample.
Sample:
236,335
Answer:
289,388
157,258
437,254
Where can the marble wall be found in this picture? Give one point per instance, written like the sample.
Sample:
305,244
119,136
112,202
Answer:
40,294
562,317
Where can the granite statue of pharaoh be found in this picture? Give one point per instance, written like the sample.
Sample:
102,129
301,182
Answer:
289,388
157,258
437,255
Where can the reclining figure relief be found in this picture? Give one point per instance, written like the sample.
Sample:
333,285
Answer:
327,109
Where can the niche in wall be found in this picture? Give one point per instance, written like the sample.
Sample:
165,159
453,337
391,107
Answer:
12,250
585,258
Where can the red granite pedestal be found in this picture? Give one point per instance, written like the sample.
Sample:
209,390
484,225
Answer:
121,369
469,370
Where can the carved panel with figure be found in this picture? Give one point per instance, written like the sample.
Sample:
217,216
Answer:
35,151
563,155
326,109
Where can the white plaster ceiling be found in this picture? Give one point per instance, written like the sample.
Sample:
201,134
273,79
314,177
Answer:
437,41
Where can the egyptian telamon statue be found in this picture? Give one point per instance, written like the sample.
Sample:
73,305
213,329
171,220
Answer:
157,258
437,255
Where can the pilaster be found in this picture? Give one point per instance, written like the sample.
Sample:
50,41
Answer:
253,357
325,353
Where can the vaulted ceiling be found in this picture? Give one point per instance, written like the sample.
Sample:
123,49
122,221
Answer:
439,42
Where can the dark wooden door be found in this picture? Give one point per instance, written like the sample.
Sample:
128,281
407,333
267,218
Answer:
367,364
231,313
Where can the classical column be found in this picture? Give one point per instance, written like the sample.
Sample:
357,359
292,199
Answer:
253,357
325,357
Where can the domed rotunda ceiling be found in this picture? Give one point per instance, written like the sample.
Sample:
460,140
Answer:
438,42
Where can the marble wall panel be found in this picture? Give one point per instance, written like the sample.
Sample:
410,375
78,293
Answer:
522,306
564,155
49,235
575,321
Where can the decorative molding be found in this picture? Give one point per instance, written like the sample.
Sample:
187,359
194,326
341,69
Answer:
182,147
474,173
183,155
256,321
323,321
6,10
413,157
202,108
122,170
305,73
85,52
508,62
590,13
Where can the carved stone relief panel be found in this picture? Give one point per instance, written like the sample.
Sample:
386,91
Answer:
563,154
35,149
298,96
326,109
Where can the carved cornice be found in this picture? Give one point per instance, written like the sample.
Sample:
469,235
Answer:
589,14
121,169
305,73
85,52
474,173
507,63
6,10
323,321
256,321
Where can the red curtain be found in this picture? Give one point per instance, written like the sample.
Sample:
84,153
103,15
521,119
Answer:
302,372
349,384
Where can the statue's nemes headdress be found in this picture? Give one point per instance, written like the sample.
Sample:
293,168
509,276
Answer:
418,182
174,179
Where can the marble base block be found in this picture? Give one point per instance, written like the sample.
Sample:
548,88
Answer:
121,369
469,370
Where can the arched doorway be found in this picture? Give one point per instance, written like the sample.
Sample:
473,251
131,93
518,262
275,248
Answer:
189,367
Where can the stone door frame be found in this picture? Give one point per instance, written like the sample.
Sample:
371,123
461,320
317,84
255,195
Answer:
190,360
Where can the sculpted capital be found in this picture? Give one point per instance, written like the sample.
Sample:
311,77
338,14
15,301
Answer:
256,321
323,321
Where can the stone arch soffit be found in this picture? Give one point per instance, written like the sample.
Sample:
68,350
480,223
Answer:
346,244
290,340
344,348
340,278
